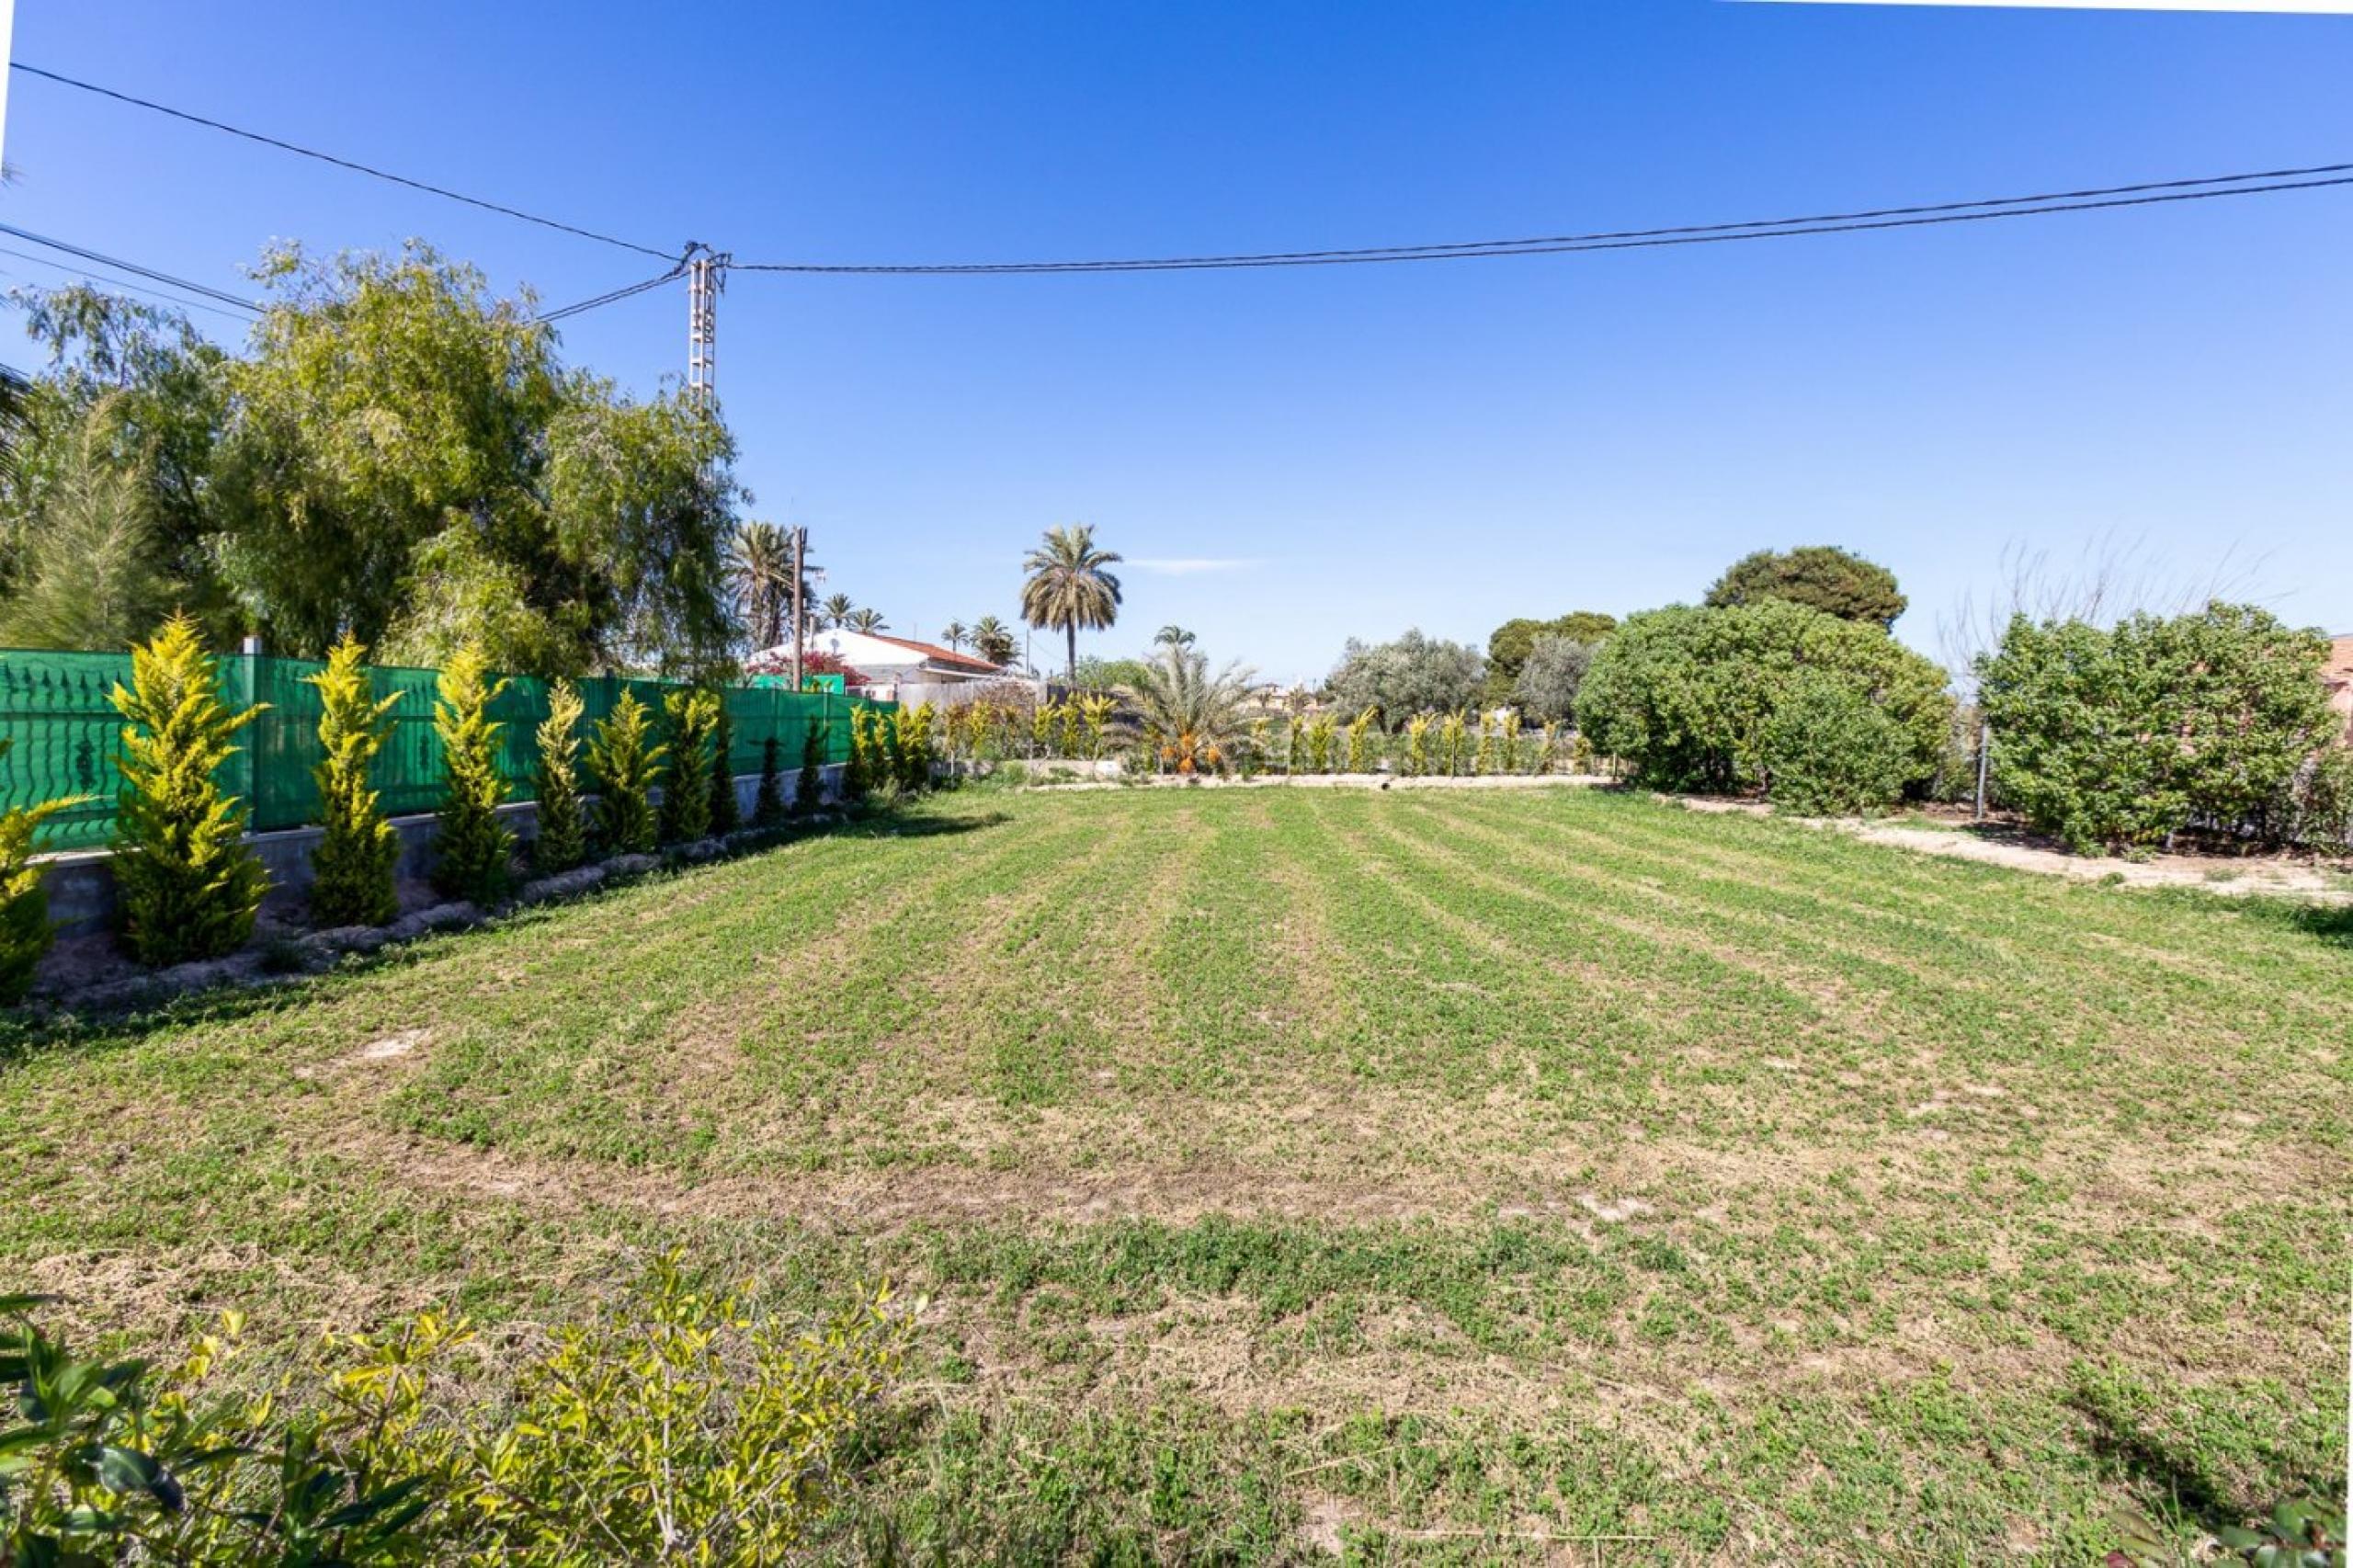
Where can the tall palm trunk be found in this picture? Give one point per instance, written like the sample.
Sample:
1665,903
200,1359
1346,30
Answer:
1071,631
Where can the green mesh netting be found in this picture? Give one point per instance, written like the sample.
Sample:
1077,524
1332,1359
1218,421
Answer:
55,708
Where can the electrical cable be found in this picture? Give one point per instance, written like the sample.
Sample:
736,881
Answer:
2203,190
352,165
90,277
131,266
609,298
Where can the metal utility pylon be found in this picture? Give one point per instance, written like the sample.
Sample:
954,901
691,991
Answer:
706,276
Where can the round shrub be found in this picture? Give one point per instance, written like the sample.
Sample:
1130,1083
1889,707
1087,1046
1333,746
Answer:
1829,751
1685,695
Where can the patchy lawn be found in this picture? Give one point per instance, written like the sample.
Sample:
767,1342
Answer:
1444,1175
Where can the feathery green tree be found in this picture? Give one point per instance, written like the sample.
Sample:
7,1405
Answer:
562,842
352,866
857,773
726,812
914,734
190,886
1417,744
768,806
692,713
472,847
624,760
92,573
809,791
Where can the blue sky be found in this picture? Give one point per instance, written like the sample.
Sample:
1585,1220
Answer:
1358,449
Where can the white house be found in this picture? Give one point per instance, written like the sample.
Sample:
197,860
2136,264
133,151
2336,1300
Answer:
885,661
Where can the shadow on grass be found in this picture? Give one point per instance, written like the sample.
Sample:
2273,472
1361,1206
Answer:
2331,923
2160,1475
25,1033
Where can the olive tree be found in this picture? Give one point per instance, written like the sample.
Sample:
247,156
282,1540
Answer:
1414,674
1546,690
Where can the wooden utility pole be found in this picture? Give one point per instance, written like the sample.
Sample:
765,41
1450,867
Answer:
800,566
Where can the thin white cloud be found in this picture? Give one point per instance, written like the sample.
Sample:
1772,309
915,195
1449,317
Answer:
1189,565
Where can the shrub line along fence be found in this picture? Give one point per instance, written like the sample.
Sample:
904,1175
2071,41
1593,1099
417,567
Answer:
55,707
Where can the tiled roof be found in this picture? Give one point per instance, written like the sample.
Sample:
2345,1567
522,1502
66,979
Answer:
933,651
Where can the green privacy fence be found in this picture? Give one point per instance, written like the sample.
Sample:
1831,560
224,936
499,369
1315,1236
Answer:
54,706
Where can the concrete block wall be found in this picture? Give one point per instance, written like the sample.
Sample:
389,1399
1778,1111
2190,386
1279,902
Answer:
81,885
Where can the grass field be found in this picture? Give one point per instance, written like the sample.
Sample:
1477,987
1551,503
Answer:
1445,1176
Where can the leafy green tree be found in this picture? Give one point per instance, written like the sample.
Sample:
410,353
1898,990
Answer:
406,458
2129,735
472,850
1546,688
1684,695
1066,588
692,714
624,760
1412,674
92,572
190,886
726,813
352,866
563,841
1834,581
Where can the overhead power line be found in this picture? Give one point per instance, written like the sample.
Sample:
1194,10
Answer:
102,259
350,164
90,275
2148,193
609,297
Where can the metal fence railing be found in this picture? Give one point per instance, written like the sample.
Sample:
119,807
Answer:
56,707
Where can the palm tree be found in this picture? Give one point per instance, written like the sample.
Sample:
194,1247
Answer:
1189,715
954,634
761,562
1173,637
836,610
993,640
1068,587
866,620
